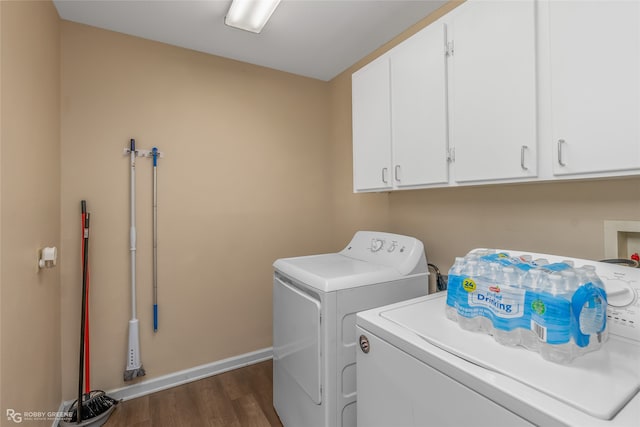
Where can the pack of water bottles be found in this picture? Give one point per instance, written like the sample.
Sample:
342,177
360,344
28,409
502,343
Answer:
557,309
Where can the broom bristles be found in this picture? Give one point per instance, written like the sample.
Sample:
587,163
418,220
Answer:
94,404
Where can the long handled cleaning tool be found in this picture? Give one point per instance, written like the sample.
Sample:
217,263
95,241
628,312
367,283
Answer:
154,153
95,406
85,264
134,365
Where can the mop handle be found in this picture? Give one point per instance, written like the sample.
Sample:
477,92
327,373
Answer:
85,263
154,153
87,357
132,231
85,247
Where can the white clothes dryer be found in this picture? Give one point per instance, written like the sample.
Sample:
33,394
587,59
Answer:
420,368
315,301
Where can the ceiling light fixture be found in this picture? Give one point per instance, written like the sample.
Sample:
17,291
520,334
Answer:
250,15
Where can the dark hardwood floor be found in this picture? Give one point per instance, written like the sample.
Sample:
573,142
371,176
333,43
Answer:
238,398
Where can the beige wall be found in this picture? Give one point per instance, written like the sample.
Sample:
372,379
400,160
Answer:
565,218
29,207
2,408
245,180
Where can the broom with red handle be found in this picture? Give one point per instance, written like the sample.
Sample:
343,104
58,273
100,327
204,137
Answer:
93,407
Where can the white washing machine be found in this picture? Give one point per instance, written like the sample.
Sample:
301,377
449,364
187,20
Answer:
315,300
423,369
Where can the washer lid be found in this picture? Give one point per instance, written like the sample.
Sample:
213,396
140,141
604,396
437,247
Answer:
331,272
598,383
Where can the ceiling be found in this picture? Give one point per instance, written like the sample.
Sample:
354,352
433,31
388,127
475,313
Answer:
313,38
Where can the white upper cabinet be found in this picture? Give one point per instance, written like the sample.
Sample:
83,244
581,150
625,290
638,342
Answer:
493,120
503,91
419,109
400,116
595,86
371,126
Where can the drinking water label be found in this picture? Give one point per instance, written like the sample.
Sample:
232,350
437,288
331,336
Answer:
504,305
503,302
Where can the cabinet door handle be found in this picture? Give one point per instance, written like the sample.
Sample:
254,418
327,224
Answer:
560,162
396,172
522,150
384,175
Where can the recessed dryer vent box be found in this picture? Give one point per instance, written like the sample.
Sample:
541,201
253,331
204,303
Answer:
621,239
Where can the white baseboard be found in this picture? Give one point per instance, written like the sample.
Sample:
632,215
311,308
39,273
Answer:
192,374
182,377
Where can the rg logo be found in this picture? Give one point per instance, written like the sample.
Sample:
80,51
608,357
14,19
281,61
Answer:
14,416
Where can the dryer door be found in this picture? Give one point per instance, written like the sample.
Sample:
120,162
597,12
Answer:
296,336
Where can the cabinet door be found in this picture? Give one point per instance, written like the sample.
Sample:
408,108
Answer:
493,90
595,85
371,126
418,109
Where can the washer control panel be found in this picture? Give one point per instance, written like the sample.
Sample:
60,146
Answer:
378,244
623,290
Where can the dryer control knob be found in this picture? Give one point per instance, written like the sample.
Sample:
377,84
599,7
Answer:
376,244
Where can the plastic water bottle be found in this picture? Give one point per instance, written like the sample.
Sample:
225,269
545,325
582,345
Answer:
540,262
453,286
570,279
592,319
468,318
532,282
563,285
506,330
494,272
485,280
526,258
